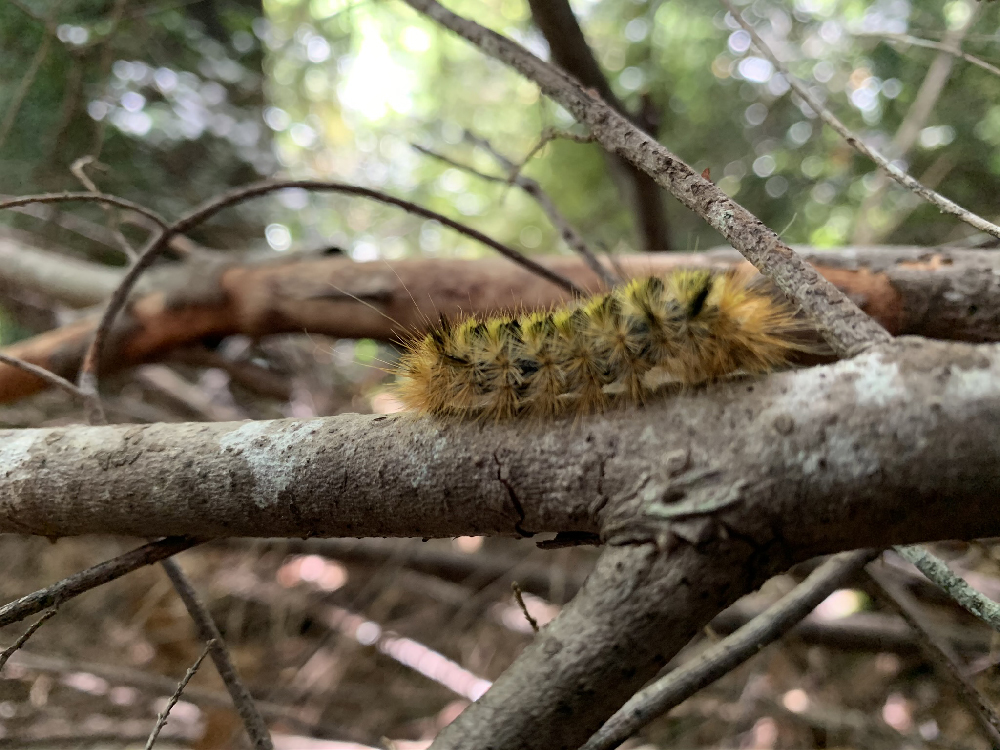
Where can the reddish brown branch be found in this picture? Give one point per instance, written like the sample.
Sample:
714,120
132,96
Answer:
950,294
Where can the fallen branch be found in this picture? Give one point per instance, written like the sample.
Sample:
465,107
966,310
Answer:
98,575
934,292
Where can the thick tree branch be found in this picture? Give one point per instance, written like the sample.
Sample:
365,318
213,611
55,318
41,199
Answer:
933,292
844,326
897,437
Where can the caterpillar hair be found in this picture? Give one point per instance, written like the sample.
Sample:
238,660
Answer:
689,327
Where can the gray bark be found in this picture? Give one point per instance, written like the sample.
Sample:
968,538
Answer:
895,446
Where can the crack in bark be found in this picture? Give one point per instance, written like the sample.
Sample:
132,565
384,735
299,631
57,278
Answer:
518,508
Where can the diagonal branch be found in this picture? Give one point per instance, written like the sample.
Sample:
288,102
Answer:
909,129
937,571
844,326
934,198
567,231
98,575
718,660
939,653
254,723
571,51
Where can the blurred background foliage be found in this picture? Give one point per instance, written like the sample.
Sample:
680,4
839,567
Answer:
182,100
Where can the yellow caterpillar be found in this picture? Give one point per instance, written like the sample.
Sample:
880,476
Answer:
690,327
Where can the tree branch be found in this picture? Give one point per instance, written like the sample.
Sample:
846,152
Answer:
934,292
253,722
865,428
937,571
98,575
904,179
940,654
721,658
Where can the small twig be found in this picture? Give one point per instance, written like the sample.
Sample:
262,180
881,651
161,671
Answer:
77,168
721,658
254,723
114,219
49,377
939,652
566,230
904,179
937,571
548,135
519,596
917,114
161,718
91,578
940,46
239,195
68,197
9,651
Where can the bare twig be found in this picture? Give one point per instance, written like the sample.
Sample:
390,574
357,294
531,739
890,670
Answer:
78,168
240,195
254,723
519,597
945,47
937,571
112,200
161,718
914,121
102,573
548,135
49,377
939,652
843,325
566,230
904,179
723,657
9,651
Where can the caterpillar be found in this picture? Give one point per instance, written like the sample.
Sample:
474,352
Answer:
690,327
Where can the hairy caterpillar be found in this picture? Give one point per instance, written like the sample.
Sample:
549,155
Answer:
691,326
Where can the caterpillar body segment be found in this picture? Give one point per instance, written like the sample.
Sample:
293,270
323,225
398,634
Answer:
689,327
